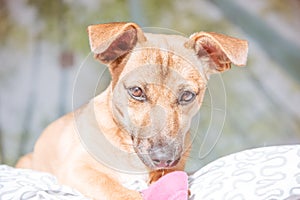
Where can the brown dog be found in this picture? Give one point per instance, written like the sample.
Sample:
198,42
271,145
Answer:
158,84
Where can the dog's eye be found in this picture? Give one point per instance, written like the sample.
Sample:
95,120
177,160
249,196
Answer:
137,93
186,97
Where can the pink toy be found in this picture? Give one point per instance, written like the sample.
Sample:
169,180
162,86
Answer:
172,186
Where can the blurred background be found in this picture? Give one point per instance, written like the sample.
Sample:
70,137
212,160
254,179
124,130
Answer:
44,72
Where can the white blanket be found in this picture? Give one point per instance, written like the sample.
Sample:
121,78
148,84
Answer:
266,173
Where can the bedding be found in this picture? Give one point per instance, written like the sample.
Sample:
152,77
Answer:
17,184
266,173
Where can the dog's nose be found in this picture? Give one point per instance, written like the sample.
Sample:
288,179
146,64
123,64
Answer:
163,160
162,163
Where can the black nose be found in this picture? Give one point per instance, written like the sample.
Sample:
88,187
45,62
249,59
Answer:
164,157
163,163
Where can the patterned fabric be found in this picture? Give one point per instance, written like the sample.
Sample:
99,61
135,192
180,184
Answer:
23,184
269,173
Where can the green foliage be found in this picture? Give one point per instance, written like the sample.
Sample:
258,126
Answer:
10,30
5,22
52,13
116,10
154,10
283,8
62,19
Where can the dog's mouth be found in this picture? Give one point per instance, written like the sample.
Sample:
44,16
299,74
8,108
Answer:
158,163
159,156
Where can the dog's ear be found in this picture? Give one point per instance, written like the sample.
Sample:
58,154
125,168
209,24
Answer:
218,50
113,40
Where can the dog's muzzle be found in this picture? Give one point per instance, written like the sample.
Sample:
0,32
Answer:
160,156
162,159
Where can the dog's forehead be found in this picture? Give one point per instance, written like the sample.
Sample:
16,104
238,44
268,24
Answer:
168,45
168,52
164,41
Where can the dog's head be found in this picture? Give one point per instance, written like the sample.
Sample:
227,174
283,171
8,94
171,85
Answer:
158,83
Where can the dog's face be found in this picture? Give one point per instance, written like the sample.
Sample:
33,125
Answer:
154,100
158,84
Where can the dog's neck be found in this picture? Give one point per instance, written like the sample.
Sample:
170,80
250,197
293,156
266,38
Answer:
107,125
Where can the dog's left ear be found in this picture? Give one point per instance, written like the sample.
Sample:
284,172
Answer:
218,50
112,40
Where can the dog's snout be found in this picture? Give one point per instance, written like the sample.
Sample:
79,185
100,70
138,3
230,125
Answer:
163,163
164,157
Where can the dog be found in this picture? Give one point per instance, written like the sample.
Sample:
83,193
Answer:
158,82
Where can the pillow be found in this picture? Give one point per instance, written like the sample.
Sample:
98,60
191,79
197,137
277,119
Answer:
267,173
16,184
263,173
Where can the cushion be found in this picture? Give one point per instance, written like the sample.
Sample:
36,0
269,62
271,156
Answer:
263,173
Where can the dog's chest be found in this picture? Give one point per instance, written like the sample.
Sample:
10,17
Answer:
133,181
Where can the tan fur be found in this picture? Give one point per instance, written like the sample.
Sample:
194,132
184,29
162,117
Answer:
163,66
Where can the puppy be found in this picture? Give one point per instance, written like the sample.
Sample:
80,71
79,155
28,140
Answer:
158,84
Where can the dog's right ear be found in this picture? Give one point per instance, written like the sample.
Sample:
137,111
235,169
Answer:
111,41
218,50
